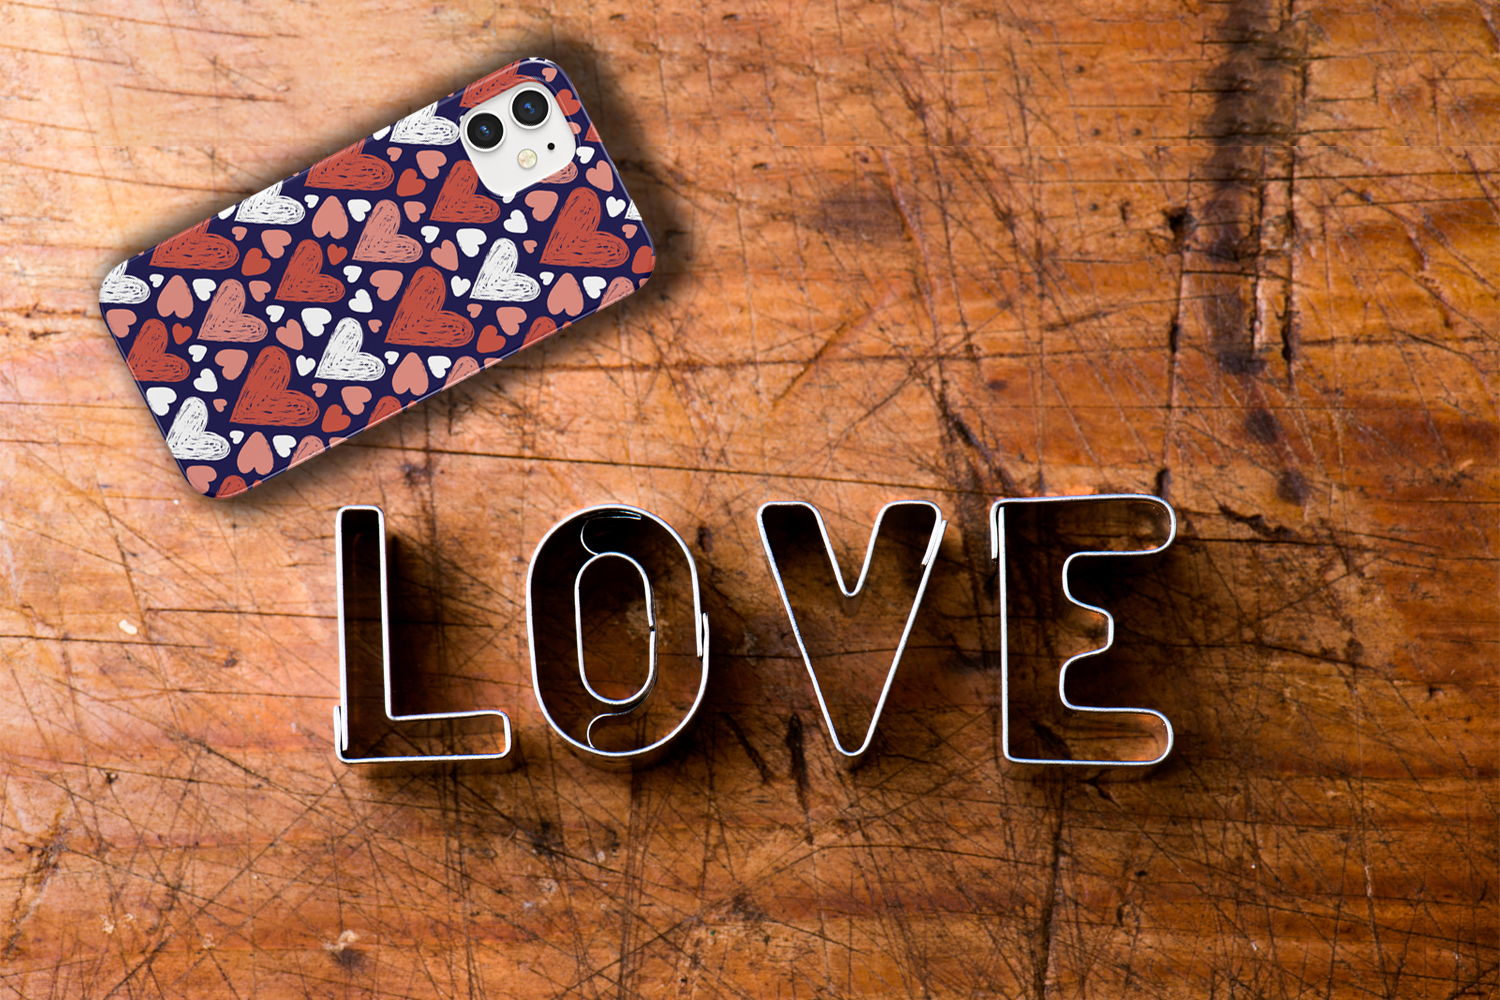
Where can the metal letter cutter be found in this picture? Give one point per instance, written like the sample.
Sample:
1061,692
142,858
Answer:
356,527
929,557
360,530
1140,508
568,542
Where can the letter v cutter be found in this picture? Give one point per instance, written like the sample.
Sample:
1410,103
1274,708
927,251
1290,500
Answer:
997,552
341,711
929,558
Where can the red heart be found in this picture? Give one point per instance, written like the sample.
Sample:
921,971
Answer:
482,90
382,240
182,333
265,399
458,202
420,319
576,240
230,487
148,358
227,320
568,102
335,419
196,248
489,340
388,406
645,260
350,170
336,254
304,280
541,328
410,184
255,263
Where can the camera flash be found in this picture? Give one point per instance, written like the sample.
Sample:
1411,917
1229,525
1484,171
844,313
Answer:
526,158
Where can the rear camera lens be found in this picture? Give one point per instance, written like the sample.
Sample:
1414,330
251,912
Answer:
530,108
485,131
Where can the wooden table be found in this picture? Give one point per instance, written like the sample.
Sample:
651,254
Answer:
1241,255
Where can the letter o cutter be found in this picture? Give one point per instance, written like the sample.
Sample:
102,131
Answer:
997,552
341,711
642,756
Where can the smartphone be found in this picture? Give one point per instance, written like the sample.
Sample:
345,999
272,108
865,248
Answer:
386,273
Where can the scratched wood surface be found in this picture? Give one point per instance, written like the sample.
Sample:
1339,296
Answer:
1243,255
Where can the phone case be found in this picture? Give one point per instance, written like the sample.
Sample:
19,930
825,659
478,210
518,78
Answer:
340,296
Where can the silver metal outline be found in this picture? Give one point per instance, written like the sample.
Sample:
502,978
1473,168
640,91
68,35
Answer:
929,559
341,711
641,756
997,554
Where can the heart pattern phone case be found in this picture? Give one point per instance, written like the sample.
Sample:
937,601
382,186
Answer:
338,297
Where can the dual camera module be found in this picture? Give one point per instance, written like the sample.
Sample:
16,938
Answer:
529,109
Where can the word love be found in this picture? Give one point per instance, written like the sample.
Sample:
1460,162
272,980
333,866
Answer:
1035,542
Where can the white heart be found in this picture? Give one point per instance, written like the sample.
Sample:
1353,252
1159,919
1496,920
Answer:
305,364
391,356
122,288
498,280
594,285
547,277
425,128
227,212
343,361
439,365
381,135
615,206
429,233
203,288
460,285
160,398
189,438
156,280
270,208
283,443
275,313
358,208
314,319
361,302
206,382
352,272
633,213
197,352
470,240
585,154
311,199
508,198
516,223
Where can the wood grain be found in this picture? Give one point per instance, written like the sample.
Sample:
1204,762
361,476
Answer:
1243,255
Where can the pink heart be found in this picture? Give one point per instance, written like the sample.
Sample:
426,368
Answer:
541,203
429,161
275,241
601,176
510,319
